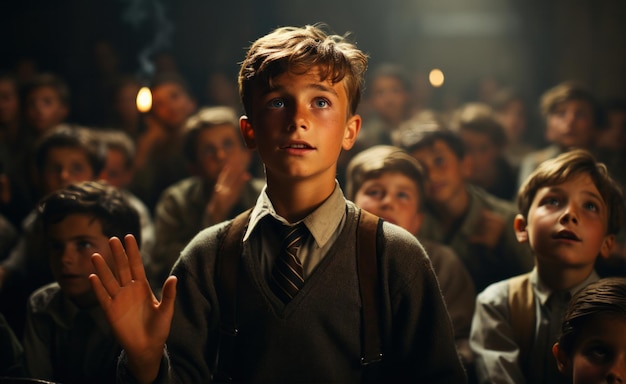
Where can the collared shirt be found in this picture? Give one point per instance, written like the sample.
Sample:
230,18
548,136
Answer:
324,225
66,344
493,342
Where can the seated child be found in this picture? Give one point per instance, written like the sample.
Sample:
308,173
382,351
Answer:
570,210
118,171
573,118
475,224
300,88
63,155
47,102
159,161
592,345
221,188
67,338
390,183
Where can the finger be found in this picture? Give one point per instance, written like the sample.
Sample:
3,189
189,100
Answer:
168,296
137,269
101,293
121,261
105,275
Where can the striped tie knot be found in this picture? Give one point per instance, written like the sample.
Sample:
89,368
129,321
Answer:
288,274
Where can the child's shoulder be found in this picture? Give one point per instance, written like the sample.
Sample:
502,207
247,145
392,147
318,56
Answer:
493,203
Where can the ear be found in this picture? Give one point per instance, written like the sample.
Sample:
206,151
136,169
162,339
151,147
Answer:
519,225
353,126
247,132
607,246
563,362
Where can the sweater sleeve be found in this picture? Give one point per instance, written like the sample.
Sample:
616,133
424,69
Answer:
420,340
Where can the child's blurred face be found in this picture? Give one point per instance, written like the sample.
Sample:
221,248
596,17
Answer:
116,170
44,109
64,166
172,105
445,172
483,153
389,98
600,353
9,102
513,120
567,224
217,146
299,126
571,125
394,197
72,241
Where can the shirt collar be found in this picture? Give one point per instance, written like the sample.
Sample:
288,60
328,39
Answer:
321,223
63,311
543,292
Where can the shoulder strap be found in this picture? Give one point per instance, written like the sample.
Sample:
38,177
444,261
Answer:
369,286
227,269
522,310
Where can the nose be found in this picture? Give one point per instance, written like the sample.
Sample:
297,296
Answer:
569,215
300,117
617,371
68,257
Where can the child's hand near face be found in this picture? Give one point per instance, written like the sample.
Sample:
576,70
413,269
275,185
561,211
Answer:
230,183
489,230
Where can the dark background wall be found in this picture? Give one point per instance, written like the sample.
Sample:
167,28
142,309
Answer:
531,44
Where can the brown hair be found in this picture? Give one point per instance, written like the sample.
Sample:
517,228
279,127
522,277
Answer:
567,166
568,91
205,118
296,49
378,160
604,297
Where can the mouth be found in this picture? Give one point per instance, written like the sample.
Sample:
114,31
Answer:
566,235
297,147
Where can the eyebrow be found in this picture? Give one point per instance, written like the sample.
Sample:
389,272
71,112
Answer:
316,86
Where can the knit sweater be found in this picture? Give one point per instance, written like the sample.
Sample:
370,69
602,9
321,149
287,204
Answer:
317,336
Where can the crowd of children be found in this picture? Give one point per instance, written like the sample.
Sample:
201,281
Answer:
202,243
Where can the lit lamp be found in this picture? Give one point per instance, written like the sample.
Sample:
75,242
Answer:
144,100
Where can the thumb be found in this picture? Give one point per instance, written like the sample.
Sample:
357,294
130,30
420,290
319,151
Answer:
168,295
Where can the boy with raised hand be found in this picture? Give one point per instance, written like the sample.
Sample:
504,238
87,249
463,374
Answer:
67,337
570,210
300,88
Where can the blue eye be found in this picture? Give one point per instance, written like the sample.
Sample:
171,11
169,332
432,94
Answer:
591,206
550,201
82,244
277,103
321,103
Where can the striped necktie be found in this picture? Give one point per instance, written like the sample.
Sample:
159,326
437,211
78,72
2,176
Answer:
287,274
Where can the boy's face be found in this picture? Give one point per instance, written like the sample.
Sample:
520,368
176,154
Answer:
9,103
483,153
72,241
513,120
445,172
116,170
44,109
172,105
571,125
389,98
567,224
599,354
394,197
299,126
64,166
216,146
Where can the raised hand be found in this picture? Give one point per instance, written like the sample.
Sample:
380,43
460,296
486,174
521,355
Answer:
140,322
230,183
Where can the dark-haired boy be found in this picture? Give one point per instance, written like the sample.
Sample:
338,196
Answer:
67,338
477,225
300,88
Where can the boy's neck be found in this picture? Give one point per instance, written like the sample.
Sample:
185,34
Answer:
557,277
295,200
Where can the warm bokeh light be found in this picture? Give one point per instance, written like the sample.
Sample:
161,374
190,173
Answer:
144,100
436,77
